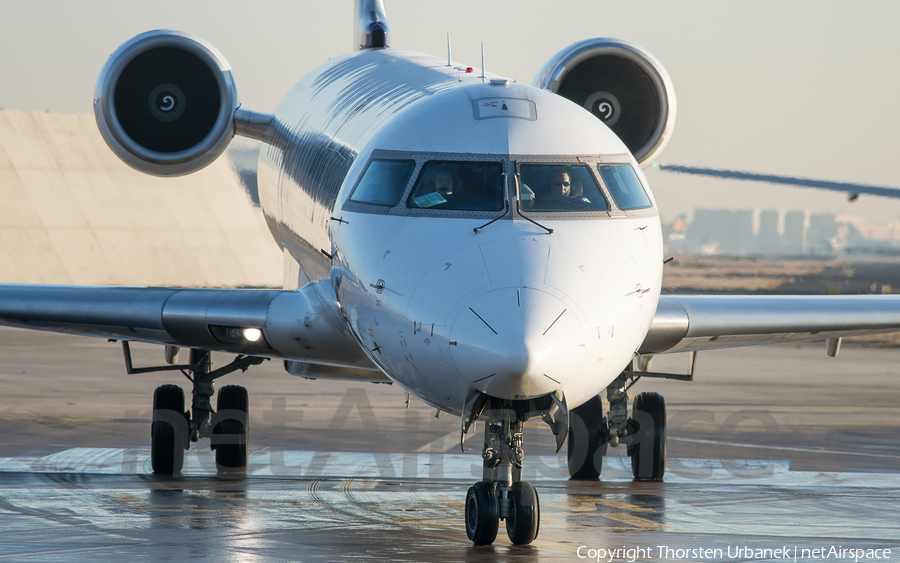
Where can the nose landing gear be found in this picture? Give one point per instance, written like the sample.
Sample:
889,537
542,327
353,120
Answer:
501,494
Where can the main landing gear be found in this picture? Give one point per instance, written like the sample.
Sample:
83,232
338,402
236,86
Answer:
501,494
174,428
644,433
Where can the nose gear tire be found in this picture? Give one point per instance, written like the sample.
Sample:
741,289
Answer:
482,513
524,520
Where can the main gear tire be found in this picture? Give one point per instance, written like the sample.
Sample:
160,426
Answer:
648,444
587,441
168,430
231,434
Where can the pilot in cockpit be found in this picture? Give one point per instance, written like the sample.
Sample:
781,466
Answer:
563,187
436,188
459,186
443,184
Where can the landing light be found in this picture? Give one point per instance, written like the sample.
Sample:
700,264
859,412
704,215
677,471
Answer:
240,335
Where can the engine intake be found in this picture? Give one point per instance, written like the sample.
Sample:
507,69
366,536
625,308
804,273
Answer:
165,103
622,85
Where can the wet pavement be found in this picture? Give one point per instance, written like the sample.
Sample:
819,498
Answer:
771,450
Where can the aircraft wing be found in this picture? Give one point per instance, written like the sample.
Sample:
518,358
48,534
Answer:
854,190
289,324
701,322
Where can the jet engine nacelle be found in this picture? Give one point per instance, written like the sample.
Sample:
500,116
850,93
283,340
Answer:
620,83
165,103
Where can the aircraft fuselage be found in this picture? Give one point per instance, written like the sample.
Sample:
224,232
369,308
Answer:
512,310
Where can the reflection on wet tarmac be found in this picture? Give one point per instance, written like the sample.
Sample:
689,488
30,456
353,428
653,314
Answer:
278,463
101,502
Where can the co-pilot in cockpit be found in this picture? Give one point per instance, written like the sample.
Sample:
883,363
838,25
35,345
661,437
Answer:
443,183
560,187
459,185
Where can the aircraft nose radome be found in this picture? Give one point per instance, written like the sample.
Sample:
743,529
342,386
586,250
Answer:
517,343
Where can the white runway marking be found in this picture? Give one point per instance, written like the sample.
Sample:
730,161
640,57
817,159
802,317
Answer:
784,448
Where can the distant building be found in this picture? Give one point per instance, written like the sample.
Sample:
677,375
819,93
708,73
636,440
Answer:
768,240
773,233
716,231
821,235
792,241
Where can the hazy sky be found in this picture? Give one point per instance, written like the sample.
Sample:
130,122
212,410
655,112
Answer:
798,88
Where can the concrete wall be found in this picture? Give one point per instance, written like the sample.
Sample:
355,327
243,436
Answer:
72,213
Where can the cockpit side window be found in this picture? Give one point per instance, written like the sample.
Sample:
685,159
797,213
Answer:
624,186
459,185
560,187
383,182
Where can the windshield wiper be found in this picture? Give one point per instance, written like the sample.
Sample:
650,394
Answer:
519,210
548,229
505,213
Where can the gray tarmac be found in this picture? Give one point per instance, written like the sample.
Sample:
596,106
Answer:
770,449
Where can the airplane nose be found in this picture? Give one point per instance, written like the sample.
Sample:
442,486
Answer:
517,343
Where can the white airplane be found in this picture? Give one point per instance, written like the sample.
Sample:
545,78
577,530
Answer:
491,247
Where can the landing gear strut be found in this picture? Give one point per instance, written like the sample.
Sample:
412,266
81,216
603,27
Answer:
501,494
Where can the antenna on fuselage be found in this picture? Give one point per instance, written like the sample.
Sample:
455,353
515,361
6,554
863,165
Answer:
371,29
448,51
482,59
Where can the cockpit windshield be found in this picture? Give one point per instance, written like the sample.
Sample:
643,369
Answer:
459,185
384,182
624,186
560,187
